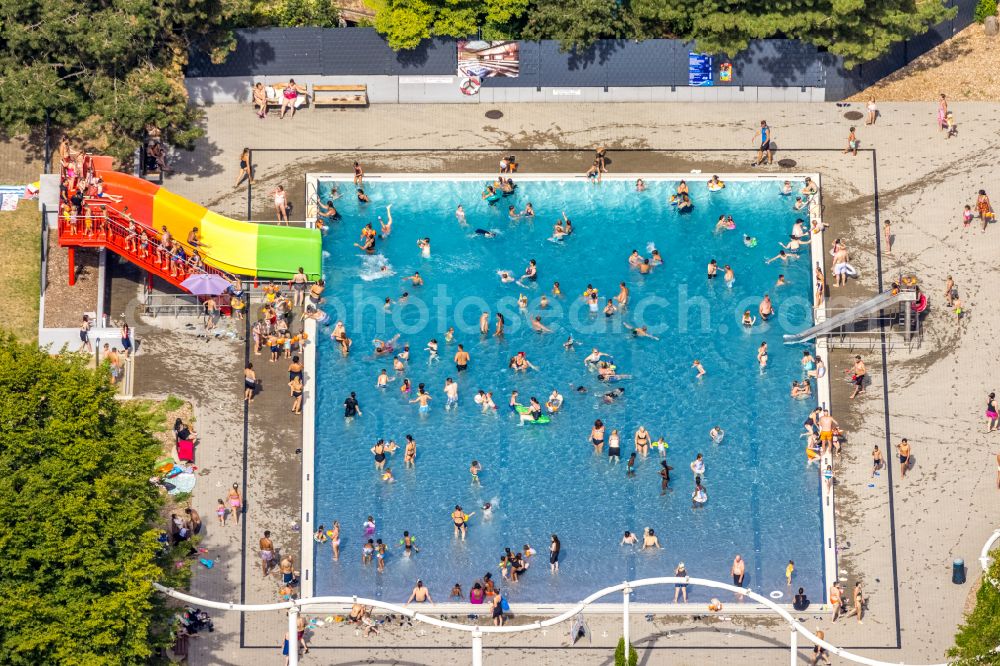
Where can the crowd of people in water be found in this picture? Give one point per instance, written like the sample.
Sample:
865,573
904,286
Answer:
821,431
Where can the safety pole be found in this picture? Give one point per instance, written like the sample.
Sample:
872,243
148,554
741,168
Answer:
795,646
71,255
293,636
625,595
477,648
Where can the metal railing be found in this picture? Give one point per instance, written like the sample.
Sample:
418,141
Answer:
476,632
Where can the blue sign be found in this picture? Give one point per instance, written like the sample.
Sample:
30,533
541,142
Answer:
699,69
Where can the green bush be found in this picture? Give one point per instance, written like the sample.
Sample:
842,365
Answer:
633,656
978,637
172,403
985,8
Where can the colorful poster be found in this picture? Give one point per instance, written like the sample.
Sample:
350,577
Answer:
486,59
726,72
699,69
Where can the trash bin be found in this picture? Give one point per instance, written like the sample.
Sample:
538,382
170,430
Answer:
958,572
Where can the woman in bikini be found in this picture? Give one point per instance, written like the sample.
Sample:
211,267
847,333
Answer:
642,440
597,435
235,501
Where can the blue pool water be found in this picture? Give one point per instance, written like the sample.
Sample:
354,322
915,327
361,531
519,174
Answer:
545,479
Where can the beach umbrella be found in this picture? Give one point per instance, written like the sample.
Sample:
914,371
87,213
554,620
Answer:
206,284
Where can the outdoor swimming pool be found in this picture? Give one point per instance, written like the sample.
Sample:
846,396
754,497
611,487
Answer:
546,479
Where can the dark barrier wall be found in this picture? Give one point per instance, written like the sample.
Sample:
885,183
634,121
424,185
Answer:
609,63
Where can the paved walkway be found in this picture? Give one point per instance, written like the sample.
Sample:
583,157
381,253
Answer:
936,392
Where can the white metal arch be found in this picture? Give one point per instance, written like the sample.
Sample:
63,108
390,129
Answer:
477,632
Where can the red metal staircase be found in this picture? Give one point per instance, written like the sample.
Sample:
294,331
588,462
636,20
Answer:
101,224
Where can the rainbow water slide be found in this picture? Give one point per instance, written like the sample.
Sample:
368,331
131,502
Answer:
243,248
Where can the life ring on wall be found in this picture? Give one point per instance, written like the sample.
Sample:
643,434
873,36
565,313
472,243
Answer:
470,85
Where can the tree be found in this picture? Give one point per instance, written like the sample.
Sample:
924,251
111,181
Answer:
978,639
577,23
406,22
75,62
79,556
285,14
855,29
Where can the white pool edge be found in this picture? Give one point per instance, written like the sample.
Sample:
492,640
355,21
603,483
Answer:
313,178
307,529
816,249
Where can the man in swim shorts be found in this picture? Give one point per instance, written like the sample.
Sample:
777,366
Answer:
826,425
841,269
903,449
764,150
461,359
858,378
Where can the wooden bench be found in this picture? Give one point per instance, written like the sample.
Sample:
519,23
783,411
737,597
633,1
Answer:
340,95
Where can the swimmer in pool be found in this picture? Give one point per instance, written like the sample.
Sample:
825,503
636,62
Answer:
474,469
629,539
415,279
748,319
698,466
634,259
606,373
699,367
749,241
386,346
794,244
570,343
613,395
786,189
655,259
554,402
513,214
529,210
640,331
538,326
713,268
505,276
386,226
765,309
530,272
425,247
460,215
783,256
383,379
594,357
534,411
432,351
520,363
423,398
717,434
486,233
781,282
729,276
762,355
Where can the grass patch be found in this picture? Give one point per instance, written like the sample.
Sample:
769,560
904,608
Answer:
172,403
20,264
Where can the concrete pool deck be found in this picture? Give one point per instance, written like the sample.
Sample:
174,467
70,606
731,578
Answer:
936,392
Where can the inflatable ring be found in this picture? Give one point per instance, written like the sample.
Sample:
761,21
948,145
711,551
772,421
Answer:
776,594
470,85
